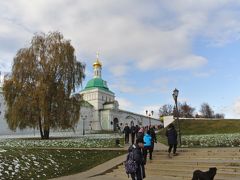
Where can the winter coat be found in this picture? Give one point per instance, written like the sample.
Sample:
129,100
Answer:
126,130
137,128
140,135
153,135
138,157
133,130
147,140
172,136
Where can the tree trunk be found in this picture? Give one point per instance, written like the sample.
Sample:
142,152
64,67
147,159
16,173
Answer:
46,133
40,128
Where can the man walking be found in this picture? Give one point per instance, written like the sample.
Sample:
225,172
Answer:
133,133
154,140
126,132
171,134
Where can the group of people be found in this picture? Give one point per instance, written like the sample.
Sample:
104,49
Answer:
144,144
145,139
130,131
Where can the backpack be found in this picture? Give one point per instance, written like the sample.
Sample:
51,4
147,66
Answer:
130,164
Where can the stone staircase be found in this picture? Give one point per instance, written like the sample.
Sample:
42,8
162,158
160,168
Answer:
181,167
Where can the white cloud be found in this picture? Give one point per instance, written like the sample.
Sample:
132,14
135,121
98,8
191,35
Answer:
149,108
125,104
125,85
119,70
184,100
236,107
202,74
162,84
148,35
231,111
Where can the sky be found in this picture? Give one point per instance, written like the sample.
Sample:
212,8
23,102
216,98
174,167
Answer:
147,48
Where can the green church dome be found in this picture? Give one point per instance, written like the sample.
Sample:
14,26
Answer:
97,83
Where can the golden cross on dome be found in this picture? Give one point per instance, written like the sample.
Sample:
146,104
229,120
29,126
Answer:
97,54
97,63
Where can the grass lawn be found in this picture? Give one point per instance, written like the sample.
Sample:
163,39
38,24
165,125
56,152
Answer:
200,128
21,163
196,127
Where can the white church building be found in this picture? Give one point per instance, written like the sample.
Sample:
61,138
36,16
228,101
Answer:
99,109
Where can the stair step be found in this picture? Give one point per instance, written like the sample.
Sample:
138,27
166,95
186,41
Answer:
201,150
186,166
169,177
199,155
180,171
181,167
197,161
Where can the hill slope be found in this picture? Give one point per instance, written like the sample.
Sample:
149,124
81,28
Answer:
192,127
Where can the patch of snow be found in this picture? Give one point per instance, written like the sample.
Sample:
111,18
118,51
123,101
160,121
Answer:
3,150
36,163
10,168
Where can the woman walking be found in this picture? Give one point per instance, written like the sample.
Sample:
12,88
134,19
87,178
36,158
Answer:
147,146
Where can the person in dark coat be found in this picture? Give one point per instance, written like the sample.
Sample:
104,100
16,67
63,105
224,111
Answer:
139,159
126,131
171,134
137,129
140,133
133,133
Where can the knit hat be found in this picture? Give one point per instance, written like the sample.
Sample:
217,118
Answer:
141,130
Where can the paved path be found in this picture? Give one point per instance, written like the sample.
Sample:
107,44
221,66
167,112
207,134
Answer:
227,161
105,167
181,167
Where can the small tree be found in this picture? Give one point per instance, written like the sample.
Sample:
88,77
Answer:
38,93
220,116
166,110
206,111
186,111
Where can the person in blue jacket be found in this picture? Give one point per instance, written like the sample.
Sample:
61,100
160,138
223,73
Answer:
147,146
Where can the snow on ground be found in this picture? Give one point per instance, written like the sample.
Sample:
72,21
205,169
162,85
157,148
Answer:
11,166
2,150
59,134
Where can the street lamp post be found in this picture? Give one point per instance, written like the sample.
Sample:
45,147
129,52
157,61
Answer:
175,96
149,114
83,119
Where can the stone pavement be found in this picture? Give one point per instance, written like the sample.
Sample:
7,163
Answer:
157,147
96,172
181,167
